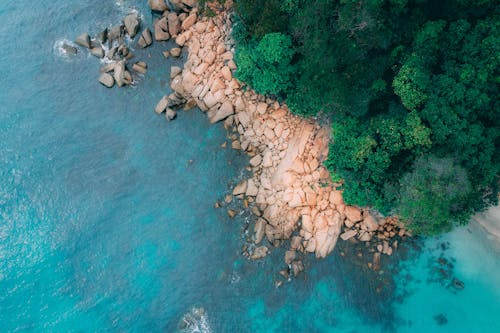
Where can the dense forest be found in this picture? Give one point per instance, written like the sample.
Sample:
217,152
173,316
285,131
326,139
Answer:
410,88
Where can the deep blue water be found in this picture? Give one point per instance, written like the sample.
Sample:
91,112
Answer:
105,225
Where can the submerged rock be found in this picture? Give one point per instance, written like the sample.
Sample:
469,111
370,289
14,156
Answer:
68,49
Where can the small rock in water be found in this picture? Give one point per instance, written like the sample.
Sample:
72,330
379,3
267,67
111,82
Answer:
231,213
120,73
146,38
162,105
107,80
176,52
297,267
140,67
83,40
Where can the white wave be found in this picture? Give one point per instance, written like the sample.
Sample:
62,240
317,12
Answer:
195,321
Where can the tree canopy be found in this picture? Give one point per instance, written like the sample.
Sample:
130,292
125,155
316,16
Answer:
408,85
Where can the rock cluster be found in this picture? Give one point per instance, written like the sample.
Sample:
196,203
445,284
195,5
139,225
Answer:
110,45
290,192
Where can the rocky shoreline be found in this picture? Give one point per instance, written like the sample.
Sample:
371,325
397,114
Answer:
290,192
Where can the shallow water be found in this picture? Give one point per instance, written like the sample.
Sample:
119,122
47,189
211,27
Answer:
105,225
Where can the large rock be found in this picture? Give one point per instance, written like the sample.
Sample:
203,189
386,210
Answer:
370,222
146,38
189,21
158,5
131,24
107,80
161,29
115,32
83,40
120,73
353,213
225,110
174,24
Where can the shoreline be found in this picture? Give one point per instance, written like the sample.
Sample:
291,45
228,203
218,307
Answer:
290,193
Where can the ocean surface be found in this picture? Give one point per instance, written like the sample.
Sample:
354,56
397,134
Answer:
107,218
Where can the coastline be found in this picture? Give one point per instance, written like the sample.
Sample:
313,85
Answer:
290,193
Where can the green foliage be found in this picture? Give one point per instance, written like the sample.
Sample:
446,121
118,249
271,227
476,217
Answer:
266,65
410,87
432,196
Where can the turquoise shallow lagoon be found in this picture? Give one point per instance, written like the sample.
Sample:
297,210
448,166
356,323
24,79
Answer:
106,225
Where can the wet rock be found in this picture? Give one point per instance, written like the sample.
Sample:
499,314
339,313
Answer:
119,73
107,80
457,284
146,39
158,5
170,114
296,243
259,253
131,24
83,40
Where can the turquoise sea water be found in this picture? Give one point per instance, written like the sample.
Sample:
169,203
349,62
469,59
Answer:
106,225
